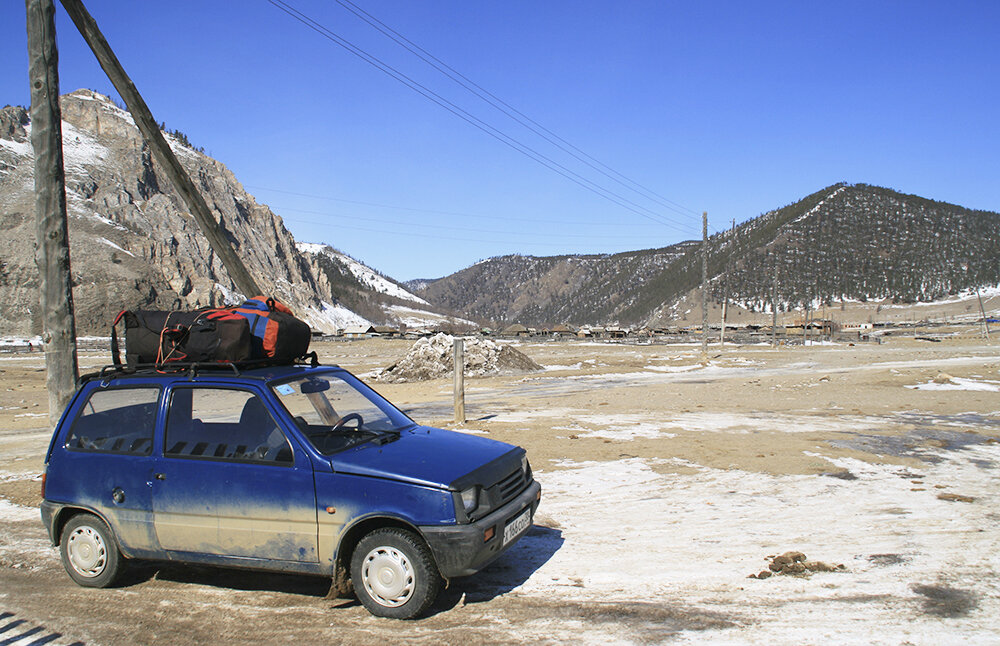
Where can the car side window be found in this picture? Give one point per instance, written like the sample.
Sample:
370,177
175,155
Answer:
119,420
223,424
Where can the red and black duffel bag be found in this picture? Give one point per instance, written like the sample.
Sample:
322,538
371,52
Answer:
157,337
276,335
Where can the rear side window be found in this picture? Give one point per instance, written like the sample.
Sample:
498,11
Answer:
116,421
225,424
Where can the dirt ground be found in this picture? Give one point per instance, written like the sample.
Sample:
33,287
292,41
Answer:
668,477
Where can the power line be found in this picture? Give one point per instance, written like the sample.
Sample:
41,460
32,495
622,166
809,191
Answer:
433,236
424,225
513,112
576,223
479,123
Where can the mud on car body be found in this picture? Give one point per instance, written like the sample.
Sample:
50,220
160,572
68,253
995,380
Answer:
292,468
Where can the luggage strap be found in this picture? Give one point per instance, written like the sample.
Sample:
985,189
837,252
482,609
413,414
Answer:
115,355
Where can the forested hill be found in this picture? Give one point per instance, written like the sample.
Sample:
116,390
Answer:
551,290
860,242
846,241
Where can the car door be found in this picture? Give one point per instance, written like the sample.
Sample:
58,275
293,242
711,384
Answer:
105,462
229,482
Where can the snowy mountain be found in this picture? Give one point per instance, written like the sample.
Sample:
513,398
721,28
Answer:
370,294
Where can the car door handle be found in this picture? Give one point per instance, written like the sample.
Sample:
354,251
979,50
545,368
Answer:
159,476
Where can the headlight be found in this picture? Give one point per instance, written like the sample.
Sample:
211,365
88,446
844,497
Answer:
470,499
524,464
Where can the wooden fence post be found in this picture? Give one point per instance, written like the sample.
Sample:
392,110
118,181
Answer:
459,349
51,231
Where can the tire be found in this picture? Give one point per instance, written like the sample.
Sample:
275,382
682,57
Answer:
90,553
394,573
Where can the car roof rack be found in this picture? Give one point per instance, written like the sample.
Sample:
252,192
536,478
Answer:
193,368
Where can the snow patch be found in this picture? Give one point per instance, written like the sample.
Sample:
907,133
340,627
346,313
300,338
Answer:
958,383
19,148
417,318
821,203
80,149
113,245
229,296
20,342
331,318
617,427
11,512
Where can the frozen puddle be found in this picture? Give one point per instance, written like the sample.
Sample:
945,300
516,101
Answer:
921,569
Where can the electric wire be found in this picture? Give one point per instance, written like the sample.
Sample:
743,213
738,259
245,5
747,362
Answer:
463,214
513,112
479,123
435,236
561,235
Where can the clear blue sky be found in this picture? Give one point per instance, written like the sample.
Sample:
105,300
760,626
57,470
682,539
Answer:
730,107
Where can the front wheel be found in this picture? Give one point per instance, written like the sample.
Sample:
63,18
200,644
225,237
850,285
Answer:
89,552
394,573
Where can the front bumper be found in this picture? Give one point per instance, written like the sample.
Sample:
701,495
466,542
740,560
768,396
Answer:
460,550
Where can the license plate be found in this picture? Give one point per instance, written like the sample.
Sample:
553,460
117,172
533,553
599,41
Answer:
517,526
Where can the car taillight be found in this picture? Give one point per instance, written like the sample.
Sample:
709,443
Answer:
44,475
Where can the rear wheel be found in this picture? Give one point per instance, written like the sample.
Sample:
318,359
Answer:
394,573
89,552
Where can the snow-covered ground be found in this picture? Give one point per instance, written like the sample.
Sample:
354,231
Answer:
418,318
920,569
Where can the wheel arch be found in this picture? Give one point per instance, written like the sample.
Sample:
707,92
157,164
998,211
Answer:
67,512
349,540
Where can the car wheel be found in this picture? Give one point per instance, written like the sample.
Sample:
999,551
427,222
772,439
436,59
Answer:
394,573
89,552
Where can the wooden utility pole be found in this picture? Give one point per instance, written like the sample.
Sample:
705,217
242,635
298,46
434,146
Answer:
725,284
805,325
161,150
459,381
704,284
51,231
774,305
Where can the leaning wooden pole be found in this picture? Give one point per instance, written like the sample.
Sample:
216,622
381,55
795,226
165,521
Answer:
982,310
158,145
51,231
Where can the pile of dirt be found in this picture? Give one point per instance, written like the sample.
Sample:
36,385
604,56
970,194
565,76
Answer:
795,564
433,357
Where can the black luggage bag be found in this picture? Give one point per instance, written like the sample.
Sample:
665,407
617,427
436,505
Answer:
158,337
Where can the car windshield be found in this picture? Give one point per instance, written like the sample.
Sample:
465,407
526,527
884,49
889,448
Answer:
336,411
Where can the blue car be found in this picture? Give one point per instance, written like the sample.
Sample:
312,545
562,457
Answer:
298,468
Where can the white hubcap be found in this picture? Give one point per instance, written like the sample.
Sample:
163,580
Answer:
87,552
388,576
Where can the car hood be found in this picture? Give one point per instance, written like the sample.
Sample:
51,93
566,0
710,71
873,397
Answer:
422,455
